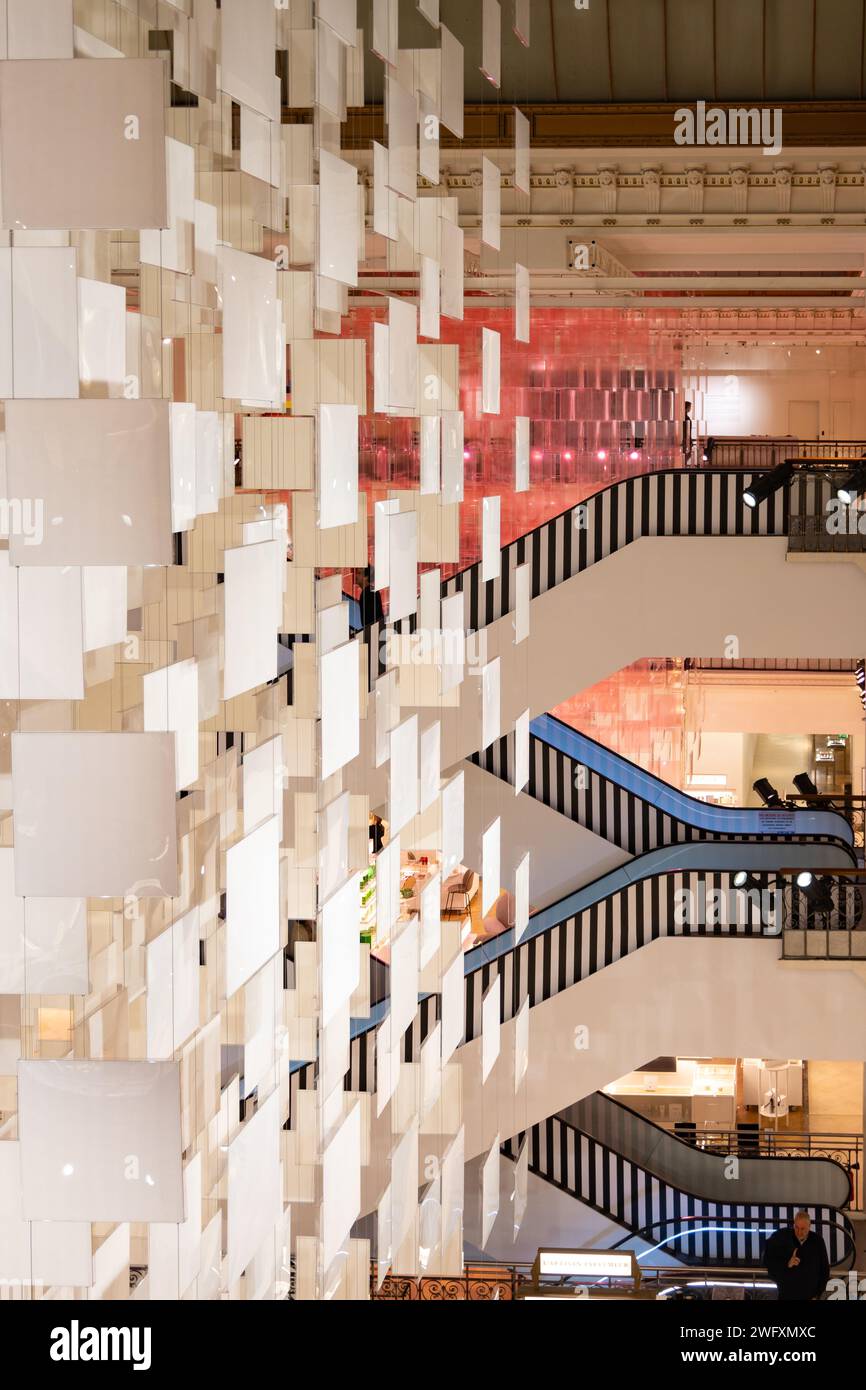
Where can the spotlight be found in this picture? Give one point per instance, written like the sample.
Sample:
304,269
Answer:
768,794
766,484
635,454
854,484
747,882
601,455
816,890
568,456
709,449
806,787
466,456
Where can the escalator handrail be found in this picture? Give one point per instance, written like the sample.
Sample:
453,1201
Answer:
673,802
843,1225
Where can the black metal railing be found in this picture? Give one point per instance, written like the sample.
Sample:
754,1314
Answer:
763,454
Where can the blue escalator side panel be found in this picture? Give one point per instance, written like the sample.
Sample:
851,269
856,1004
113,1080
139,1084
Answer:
716,819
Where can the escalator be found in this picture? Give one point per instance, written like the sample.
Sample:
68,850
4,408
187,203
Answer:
678,1197
641,904
618,801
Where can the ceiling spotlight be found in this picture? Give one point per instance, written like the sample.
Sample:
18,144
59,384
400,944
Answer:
854,484
601,455
806,787
768,794
568,456
766,484
747,881
635,454
466,456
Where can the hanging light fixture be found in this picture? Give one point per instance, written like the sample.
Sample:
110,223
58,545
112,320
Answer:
766,484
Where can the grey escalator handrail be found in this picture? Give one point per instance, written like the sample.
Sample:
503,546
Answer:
688,809
787,1169
843,1226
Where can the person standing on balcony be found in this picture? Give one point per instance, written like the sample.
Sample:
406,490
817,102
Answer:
796,1261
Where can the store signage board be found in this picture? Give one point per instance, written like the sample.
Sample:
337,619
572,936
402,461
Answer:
611,1264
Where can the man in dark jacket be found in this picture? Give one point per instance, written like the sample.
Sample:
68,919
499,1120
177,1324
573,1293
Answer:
796,1260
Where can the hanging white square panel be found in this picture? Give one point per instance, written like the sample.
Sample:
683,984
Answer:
43,941
453,1017
521,751
82,143
337,256
80,1124
430,10
452,824
38,31
333,836
521,453
172,249
387,888
404,977
262,771
402,356
247,52
102,471
341,1185
401,111
489,372
521,1044
429,324
521,21
382,514
252,595
94,815
182,444
521,897
453,642
491,722
387,713
104,592
428,138
521,151
330,74
489,1192
208,461
490,538
491,1021
451,112
101,337
340,708
451,296
491,41
384,197
41,635
383,40
491,199
430,603
253,343
430,437
402,565
522,591
171,704
403,782
381,367
252,903
521,303
40,322
491,840
337,441
172,1000
342,16
431,920
339,947
254,1195
453,460
431,759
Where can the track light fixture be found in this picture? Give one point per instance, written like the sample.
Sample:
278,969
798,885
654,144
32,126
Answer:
709,449
853,486
806,787
766,484
747,882
816,890
768,794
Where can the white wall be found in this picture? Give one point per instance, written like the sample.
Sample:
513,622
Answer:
702,997
564,855
748,391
